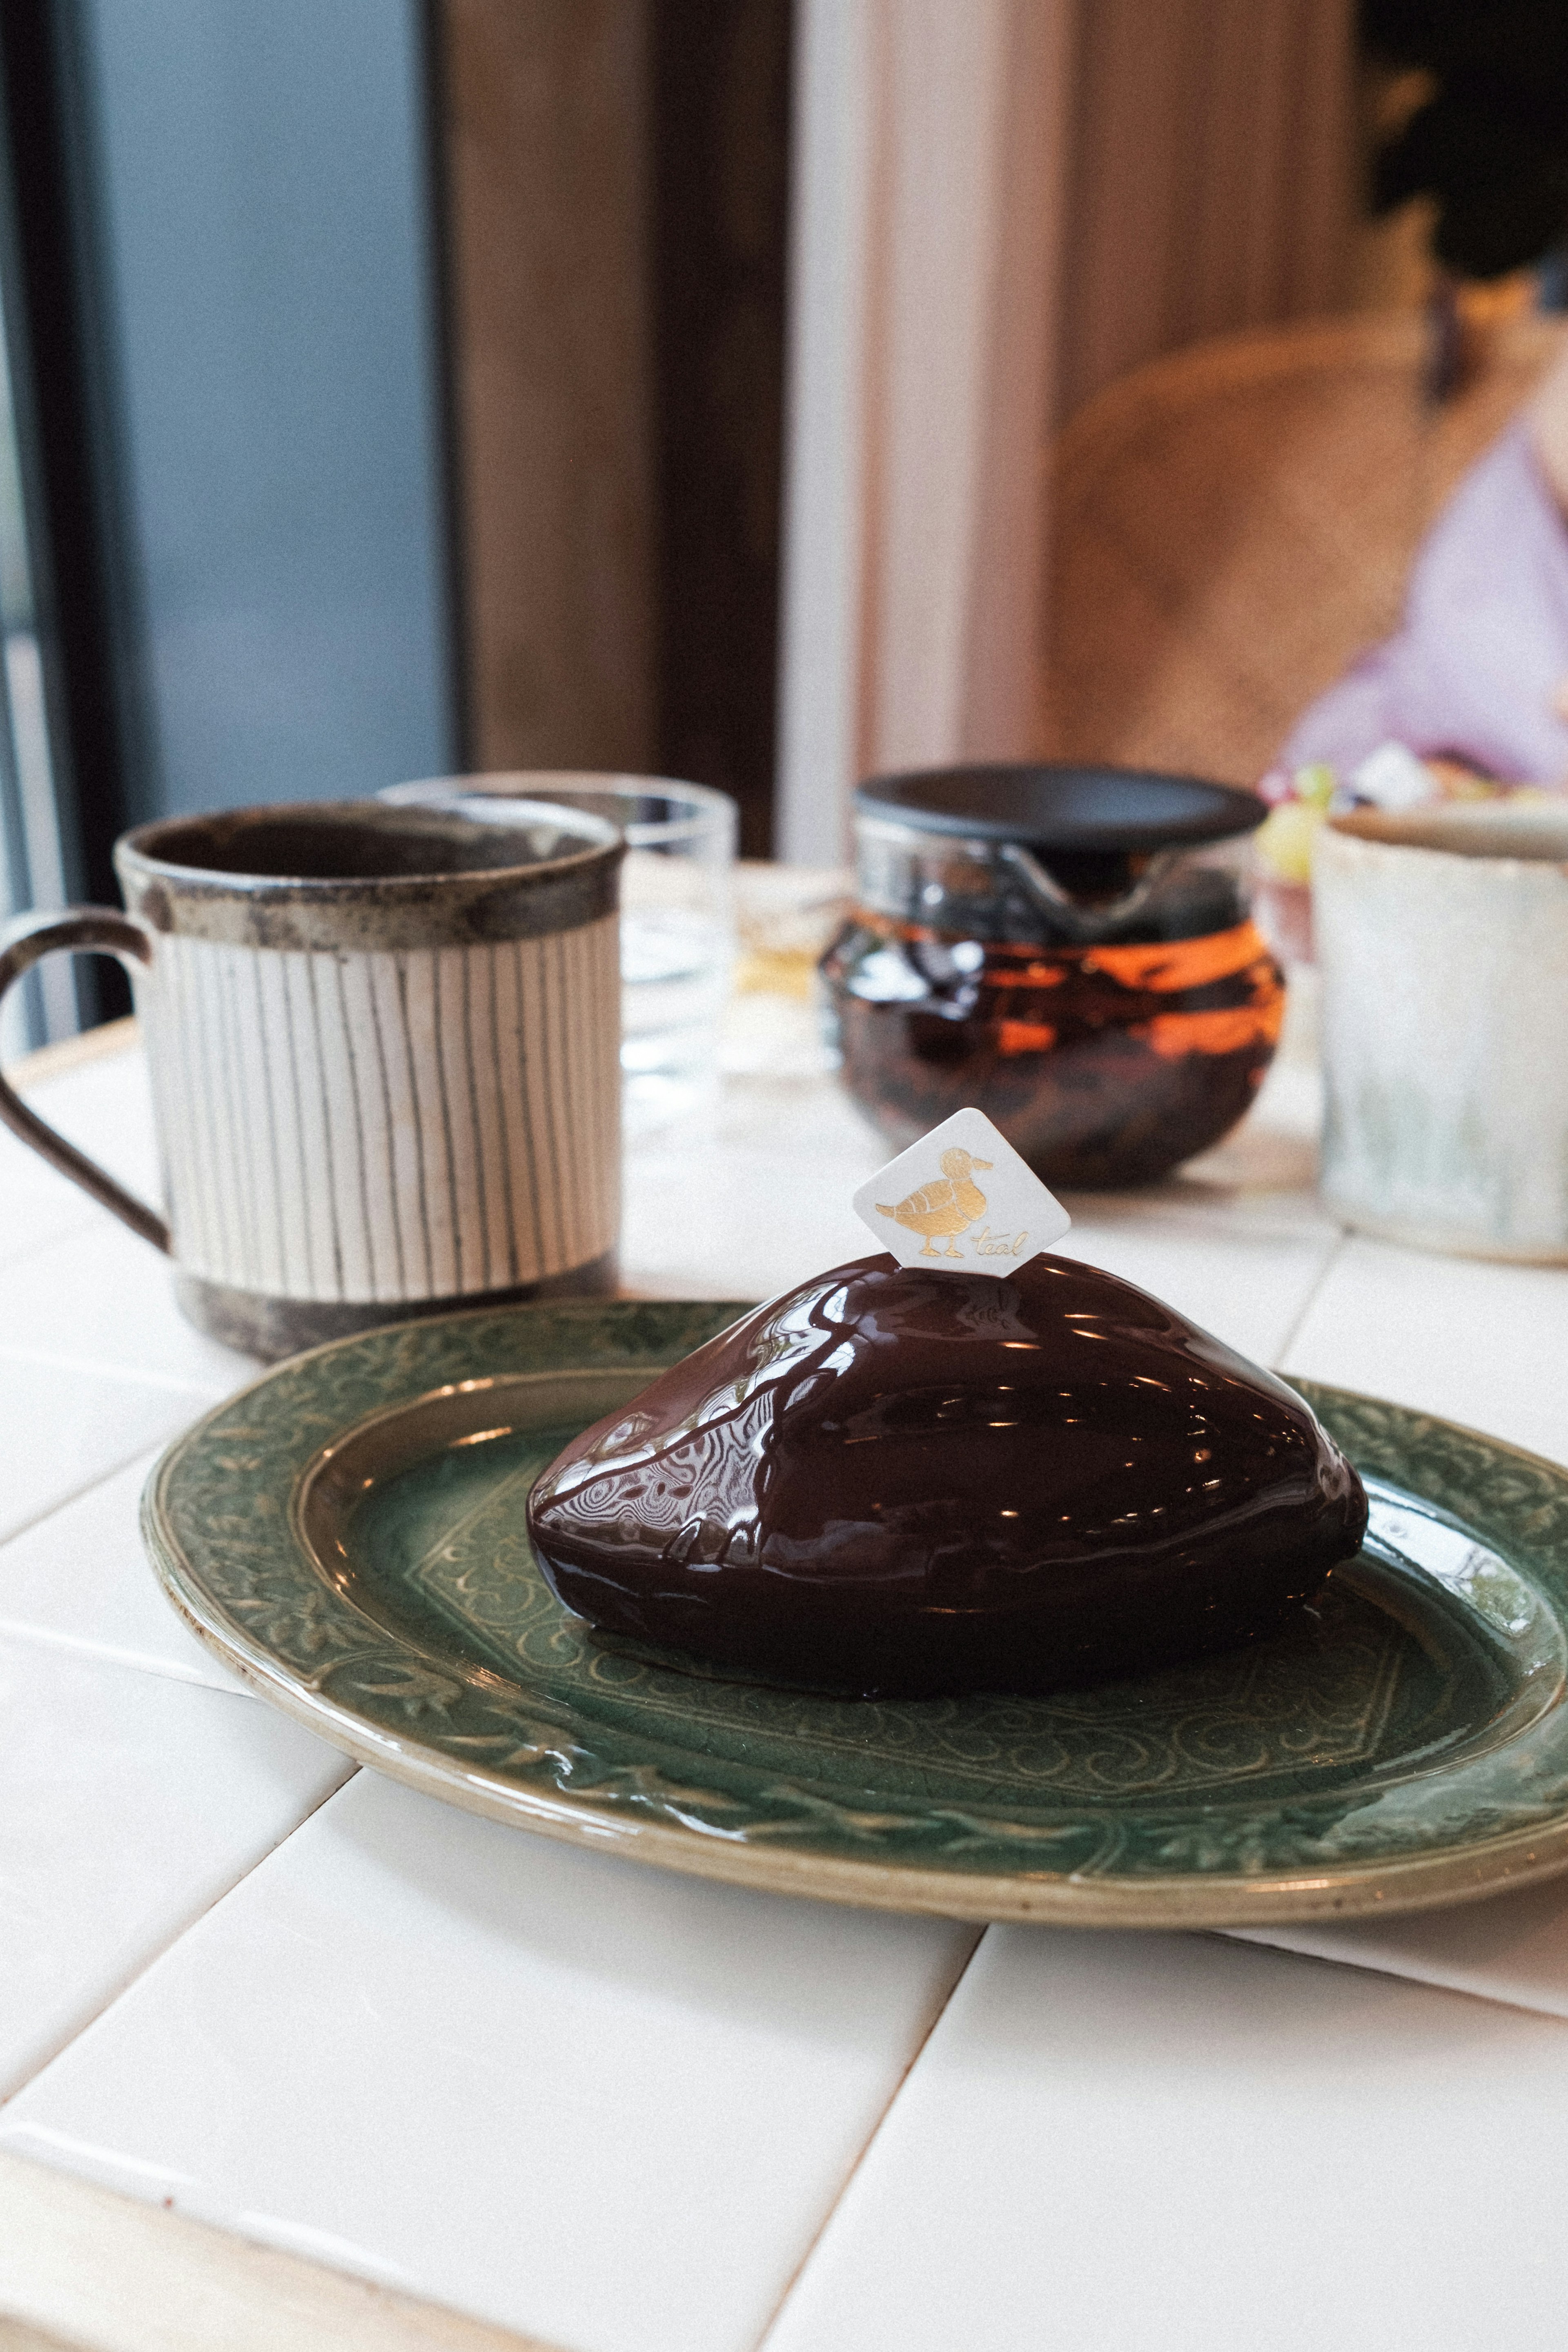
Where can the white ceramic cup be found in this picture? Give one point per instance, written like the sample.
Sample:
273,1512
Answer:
382,1045
1442,936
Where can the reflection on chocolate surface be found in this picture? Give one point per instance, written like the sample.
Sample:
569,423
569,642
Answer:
898,1481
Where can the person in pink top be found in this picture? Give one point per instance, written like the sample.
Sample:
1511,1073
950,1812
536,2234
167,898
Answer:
1478,669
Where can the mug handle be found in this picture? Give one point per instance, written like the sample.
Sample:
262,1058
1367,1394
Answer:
79,930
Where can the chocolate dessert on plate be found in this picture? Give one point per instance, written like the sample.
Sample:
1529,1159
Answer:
912,1478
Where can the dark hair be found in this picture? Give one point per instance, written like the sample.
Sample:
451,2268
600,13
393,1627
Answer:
1490,144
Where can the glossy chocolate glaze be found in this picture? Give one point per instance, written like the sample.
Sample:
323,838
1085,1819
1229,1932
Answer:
896,1481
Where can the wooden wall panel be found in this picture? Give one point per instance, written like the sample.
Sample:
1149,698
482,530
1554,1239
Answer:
1212,176
720,118
547,138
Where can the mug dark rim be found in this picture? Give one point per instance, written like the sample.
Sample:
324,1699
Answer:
1200,810
364,913
376,816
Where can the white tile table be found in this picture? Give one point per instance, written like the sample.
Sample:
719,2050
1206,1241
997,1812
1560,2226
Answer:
440,2084
1150,2144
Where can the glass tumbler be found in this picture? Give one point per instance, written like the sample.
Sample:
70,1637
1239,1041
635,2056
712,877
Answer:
678,915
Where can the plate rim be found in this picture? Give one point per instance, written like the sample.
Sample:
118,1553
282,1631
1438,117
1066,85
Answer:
1483,1866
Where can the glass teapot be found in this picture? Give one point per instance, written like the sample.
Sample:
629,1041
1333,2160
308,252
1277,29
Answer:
1070,949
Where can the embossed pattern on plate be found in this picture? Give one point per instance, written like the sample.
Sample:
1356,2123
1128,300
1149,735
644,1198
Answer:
349,1533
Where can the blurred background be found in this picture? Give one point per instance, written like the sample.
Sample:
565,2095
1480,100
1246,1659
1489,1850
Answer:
759,392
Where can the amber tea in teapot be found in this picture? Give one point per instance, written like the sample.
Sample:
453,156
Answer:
1070,949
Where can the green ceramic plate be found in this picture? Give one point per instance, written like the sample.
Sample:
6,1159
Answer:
349,1535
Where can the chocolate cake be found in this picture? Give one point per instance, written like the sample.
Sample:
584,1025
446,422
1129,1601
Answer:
896,1481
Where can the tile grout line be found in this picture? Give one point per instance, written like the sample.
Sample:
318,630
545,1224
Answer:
77,1495
144,1376
1299,1318
869,2143
87,1652
143,1968
15,1258
1385,1969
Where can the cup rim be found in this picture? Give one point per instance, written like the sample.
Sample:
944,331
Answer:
517,787
1494,832
137,849
459,907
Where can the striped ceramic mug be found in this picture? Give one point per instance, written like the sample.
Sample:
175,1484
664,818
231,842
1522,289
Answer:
383,1045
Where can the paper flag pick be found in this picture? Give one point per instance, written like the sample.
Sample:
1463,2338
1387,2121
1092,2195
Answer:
961,1201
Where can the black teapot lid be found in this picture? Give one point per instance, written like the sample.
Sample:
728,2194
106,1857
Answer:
1058,807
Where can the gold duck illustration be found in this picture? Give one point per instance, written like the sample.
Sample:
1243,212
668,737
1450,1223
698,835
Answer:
942,1208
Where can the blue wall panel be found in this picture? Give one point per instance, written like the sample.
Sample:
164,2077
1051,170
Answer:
260,216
